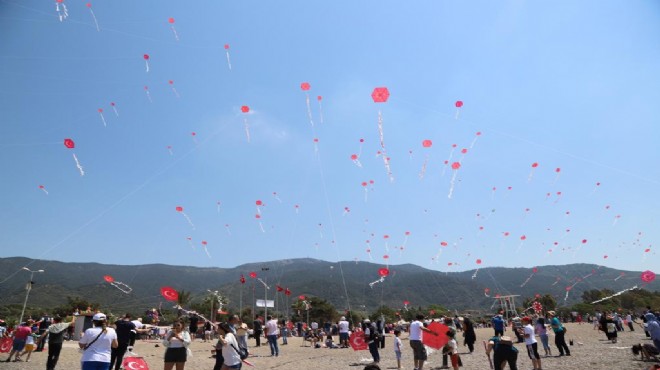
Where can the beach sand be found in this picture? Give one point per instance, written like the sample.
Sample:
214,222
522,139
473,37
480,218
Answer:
590,351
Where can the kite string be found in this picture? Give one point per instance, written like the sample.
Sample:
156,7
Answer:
333,230
119,201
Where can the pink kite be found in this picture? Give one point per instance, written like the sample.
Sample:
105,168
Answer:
146,61
305,86
173,88
171,22
69,144
246,110
89,6
180,210
228,59
458,105
380,95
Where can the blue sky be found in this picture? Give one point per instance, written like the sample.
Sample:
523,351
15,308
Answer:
569,85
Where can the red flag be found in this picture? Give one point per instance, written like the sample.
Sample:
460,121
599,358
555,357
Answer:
279,288
5,344
134,363
287,291
242,279
357,341
436,341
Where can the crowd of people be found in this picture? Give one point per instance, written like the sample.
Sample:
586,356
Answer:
104,345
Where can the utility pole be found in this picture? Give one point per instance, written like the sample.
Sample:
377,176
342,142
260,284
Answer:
27,294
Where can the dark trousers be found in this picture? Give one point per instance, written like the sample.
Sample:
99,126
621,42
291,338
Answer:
373,349
257,337
219,360
131,339
42,343
560,342
117,355
503,354
630,326
53,355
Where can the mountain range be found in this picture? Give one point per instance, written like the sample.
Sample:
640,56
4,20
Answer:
347,284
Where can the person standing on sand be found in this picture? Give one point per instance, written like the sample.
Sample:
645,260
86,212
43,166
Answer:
372,337
97,343
272,332
530,342
55,336
124,328
468,333
343,332
498,324
257,330
560,331
415,335
542,331
177,342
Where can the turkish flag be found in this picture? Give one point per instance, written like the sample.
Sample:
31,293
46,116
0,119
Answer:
436,341
357,341
134,363
5,344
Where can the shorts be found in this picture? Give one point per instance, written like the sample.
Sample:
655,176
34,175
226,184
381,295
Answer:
29,347
343,337
176,354
419,352
398,355
208,332
18,344
532,351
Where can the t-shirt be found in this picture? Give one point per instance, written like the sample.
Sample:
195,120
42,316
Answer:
56,332
98,351
271,327
529,334
416,330
138,324
124,329
343,326
540,328
397,344
453,347
556,325
498,323
22,332
230,354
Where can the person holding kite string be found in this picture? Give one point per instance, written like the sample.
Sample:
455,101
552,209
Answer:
415,335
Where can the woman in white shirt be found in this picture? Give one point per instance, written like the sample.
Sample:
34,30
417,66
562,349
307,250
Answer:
177,342
230,350
96,344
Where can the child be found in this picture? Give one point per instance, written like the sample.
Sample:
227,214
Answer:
329,343
397,348
452,349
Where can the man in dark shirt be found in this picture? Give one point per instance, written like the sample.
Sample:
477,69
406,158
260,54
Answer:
43,327
124,328
258,330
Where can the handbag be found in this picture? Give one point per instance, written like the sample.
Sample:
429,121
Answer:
242,352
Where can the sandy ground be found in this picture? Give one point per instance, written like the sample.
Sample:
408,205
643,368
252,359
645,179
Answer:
590,351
